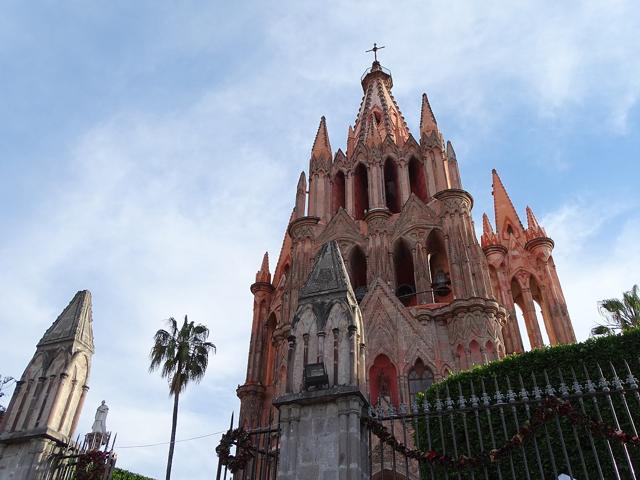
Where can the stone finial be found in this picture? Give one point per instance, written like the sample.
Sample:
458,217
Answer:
428,122
263,274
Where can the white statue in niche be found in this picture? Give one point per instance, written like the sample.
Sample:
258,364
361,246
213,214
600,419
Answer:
100,422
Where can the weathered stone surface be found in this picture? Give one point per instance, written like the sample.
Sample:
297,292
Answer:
47,402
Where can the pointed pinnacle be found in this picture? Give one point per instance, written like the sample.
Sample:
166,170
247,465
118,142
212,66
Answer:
321,147
532,221
265,263
503,207
451,153
487,229
302,182
427,119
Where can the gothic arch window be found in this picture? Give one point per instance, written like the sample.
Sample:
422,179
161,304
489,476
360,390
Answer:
383,381
417,179
420,378
520,325
405,278
360,191
358,269
439,268
391,187
338,192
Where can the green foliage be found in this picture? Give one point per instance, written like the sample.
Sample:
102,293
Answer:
470,432
120,474
182,353
620,314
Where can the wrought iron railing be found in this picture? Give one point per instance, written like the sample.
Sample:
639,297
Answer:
573,423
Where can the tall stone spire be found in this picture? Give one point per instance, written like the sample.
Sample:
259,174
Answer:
379,109
505,212
428,122
47,402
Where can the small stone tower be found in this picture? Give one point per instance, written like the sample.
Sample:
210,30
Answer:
325,379
523,273
47,401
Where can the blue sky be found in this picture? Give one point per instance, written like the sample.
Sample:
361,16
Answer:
149,152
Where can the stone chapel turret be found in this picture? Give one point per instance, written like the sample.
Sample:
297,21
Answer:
46,404
433,300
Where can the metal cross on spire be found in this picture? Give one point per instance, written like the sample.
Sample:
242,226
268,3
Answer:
375,51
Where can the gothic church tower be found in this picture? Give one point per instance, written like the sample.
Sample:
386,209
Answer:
433,300
47,401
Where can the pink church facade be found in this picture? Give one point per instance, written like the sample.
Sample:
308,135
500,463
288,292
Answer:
434,300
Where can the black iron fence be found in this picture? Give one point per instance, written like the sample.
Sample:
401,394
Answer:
579,423
570,425
249,455
65,461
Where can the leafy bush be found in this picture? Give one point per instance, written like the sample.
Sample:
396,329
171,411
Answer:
560,446
120,474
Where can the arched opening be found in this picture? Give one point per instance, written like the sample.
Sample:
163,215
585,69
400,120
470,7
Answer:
495,284
383,381
360,192
420,378
338,192
405,278
490,351
462,358
518,311
541,313
439,268
417,179
358,268
391,187
475,353
270,327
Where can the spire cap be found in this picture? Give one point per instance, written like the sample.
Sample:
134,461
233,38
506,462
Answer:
428,122
74,323
321,146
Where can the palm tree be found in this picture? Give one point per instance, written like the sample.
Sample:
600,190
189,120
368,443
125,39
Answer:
620,314
183,354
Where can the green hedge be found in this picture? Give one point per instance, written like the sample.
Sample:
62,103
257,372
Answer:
446,433
120,474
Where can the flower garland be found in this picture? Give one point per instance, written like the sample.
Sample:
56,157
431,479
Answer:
244,452
91,465
550,407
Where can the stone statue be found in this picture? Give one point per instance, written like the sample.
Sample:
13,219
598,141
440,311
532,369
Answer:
100,422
